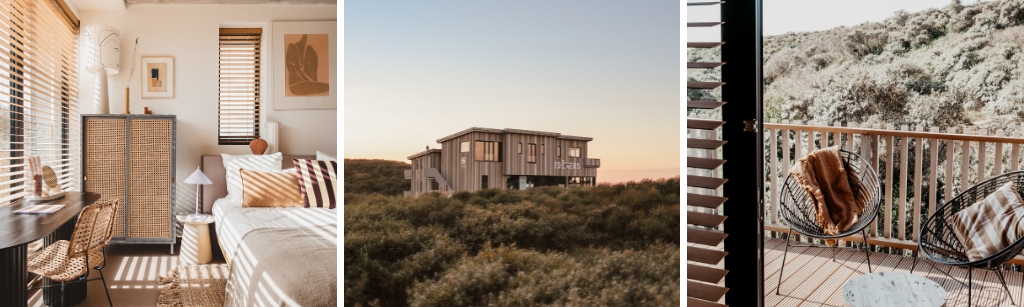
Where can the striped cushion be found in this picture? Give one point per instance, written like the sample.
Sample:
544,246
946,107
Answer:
990,225
318,180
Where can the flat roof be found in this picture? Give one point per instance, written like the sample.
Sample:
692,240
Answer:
511,130
422,153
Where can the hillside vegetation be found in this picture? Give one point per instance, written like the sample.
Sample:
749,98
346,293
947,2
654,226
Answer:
938,68
368,176
609,245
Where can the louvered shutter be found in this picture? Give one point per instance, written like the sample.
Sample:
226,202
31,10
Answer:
723,233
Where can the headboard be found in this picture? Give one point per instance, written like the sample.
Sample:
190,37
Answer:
213,167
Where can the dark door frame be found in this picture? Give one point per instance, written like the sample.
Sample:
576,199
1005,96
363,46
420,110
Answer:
742,114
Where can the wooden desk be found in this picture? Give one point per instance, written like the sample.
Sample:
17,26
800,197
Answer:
18,230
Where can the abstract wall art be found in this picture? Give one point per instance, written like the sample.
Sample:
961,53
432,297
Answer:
157,77
305,65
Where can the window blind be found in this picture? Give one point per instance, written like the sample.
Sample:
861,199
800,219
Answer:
238,120
38,95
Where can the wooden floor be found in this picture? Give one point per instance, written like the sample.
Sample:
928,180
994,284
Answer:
812,279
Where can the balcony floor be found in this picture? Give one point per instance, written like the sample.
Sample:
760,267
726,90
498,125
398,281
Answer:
812,279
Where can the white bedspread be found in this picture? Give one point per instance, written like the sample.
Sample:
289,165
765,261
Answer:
233,221
251,281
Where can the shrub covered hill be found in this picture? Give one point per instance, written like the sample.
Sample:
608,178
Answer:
938,68
609,245
367,176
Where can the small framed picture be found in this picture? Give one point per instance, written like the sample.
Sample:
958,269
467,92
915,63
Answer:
157,77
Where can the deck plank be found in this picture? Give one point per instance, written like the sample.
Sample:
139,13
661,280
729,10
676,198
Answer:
836,281
798,268
812,279
821,278
879,262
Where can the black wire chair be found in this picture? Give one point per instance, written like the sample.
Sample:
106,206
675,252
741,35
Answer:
939,241
797,208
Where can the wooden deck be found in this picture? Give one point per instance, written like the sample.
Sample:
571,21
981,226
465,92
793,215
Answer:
812,279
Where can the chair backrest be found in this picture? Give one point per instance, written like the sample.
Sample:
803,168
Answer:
797,207
80,239
103,225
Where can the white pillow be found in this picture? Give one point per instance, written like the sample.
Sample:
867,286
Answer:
232,164
325,157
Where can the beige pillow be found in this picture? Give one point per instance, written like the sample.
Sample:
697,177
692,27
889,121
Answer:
990,225
271,189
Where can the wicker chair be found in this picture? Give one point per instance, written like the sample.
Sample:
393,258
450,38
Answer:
69,261
939,243
797,208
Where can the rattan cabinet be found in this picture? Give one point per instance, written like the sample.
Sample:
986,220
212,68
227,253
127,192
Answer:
131,158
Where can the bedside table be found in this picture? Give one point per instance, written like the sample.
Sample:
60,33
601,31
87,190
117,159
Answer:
195,240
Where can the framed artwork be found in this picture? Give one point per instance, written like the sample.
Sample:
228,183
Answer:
305,65
157,77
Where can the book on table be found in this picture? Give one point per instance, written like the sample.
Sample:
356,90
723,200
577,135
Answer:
39,209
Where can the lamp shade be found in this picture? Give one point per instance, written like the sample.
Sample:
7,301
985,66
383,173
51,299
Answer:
198,178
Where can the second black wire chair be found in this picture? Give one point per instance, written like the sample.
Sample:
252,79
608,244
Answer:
797,208
940,244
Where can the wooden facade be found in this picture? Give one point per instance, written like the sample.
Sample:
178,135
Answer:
481,158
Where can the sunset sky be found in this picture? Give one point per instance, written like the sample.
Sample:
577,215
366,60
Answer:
416,71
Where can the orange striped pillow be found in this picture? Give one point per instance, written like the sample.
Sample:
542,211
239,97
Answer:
990,225
318,180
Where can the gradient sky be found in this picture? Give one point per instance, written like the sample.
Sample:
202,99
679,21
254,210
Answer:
781,16
416,71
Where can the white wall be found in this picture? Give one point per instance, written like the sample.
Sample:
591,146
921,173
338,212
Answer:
189,33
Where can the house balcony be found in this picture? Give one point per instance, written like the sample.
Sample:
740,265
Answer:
919,168
592,162
408,174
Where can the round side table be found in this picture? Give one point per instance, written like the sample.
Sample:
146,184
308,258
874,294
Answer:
195,241
880,289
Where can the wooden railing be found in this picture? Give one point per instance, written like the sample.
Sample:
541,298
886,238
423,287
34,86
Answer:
918,169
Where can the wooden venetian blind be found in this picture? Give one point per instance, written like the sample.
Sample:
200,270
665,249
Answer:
705,265
238,120
38,94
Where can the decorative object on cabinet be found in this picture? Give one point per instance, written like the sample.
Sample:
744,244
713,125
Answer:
305,65
105,44
131,75
157,77
147,111
131,158
197,178
258,146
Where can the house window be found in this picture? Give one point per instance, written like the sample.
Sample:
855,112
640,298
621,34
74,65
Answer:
542,149
434,185
40,105
487,151
464,147
520,147
238,120
574,152
558,152
531,153
483,181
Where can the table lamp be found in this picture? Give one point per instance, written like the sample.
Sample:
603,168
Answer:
197,178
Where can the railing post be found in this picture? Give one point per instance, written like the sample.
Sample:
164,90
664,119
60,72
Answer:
888,185
948,174
918,170
1014,152
869,152
901,220
998,167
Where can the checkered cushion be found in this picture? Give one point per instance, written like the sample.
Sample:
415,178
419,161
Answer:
992,224
318,180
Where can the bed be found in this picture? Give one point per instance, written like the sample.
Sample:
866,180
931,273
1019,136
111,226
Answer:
301,243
